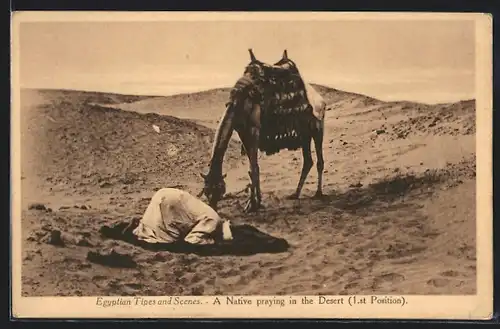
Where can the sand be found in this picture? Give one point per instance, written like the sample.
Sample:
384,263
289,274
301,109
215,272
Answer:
398,216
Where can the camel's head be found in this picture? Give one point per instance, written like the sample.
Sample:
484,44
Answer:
214,189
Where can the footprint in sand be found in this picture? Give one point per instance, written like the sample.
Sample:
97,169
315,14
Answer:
210,281
450,273
229,273
387,278
392,277
75,265
131,289
99,278
407,260
438,282
256,272
351,285
244,267
156,258
196,278
100,281
276,271
187,278
244,279
350,231
133,285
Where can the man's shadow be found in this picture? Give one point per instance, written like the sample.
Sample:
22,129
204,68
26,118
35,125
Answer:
247,240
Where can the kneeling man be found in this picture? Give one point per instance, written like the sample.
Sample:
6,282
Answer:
174,215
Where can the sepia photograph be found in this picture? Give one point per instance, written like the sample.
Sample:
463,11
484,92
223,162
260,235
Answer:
255,156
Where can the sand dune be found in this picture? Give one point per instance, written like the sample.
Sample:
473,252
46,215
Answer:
399,215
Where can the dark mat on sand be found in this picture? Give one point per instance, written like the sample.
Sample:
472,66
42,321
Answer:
247,240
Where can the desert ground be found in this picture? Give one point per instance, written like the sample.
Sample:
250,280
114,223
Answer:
398,216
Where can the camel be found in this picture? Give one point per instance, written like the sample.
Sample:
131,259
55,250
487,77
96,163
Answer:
271,108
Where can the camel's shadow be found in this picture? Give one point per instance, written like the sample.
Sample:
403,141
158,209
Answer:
247,240
369,199
379,195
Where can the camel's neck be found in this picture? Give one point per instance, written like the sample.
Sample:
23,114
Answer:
221,141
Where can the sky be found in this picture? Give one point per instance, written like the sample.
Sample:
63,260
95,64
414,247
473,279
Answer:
427,61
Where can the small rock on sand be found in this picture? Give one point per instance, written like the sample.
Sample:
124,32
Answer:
197,291
111,259
37,206
55,238
104,184
438,282
83,242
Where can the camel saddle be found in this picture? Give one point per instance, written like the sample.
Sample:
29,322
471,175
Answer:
285,109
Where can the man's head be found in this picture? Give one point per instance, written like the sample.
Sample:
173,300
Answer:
213,188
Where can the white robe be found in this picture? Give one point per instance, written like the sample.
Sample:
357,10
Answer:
173,214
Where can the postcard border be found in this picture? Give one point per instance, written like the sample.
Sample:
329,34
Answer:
467,307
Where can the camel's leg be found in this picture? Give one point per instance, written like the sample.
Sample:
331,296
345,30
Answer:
306,167
320,165
250,143
255,197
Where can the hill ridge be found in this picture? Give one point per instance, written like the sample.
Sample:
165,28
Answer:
319,87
